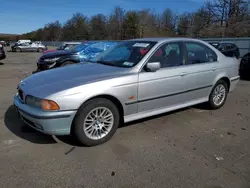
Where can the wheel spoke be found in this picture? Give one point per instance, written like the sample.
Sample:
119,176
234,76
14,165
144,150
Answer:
219,94
98,123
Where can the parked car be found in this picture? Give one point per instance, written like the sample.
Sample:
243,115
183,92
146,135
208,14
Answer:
228,49
244,70
64,46
3,43
79,53
28,47
23,41
132,80
2,52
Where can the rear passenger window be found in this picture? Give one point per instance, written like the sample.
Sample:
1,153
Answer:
199,53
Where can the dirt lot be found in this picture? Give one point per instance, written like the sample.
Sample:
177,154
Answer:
192,147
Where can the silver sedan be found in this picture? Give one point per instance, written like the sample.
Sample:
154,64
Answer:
132,80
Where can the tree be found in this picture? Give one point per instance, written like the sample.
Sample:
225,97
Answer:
184,24
167,22
229,13
115,24
131,25
52,31
147,23
200,22
98,27
76,28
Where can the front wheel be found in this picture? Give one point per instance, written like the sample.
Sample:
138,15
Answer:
96,122
18,50
218,95
39,50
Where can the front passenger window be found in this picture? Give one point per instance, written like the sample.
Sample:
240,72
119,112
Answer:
169,55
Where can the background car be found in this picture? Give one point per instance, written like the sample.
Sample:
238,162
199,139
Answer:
2,52
228,49
79,53
64,46
28,47
245,67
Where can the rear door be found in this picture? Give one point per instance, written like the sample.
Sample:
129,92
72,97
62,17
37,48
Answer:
200,70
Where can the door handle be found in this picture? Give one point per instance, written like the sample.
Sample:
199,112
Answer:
183,74
214,69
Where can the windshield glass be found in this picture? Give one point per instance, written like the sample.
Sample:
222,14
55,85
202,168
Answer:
61,47
80,47
125,54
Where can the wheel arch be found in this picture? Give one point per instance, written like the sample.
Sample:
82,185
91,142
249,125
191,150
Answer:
224,78
112,98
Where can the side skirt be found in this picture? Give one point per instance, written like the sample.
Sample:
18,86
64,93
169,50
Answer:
145,114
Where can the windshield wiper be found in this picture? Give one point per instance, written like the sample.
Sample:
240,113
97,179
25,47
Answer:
105,63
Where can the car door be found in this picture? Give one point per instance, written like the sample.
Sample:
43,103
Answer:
200,70
164,87
25,47
33,47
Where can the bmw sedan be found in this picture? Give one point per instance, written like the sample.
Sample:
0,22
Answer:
131,80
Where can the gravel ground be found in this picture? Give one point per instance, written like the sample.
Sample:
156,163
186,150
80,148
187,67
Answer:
193,147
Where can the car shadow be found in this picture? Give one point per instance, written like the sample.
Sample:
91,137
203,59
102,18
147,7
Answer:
20,129
70,140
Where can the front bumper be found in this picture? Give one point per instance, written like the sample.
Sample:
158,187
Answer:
52,123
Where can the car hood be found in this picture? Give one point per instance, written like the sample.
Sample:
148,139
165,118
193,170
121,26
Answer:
48,82
55,54
49,51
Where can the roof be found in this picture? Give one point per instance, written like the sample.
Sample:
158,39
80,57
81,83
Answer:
163,39
71,42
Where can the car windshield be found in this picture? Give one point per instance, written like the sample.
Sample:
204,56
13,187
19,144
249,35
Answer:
125,54
61,47
80,47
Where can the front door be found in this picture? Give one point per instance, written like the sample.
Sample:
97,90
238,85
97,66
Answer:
164,87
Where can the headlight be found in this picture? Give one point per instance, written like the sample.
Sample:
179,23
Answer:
51,60
43,104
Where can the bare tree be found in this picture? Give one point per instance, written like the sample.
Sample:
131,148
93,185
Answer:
115,24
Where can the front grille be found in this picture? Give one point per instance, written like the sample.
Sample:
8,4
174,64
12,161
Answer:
20,93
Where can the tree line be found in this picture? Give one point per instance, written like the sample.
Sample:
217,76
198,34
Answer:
216,18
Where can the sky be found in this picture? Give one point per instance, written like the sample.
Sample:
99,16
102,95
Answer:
22,16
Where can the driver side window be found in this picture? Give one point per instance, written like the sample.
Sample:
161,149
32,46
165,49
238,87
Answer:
169,55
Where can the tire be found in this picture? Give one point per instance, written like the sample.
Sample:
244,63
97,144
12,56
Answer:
244,70
83,118
39,50
212,102
18,50
67,63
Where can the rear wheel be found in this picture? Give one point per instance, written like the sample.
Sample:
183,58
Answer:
96,122
218,95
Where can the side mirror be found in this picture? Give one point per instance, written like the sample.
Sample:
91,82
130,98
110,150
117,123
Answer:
153,67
